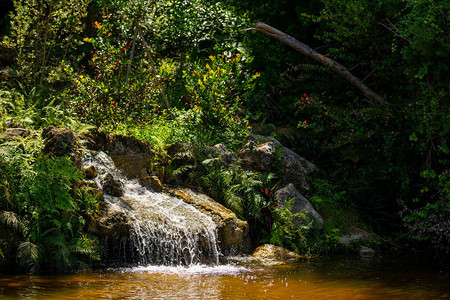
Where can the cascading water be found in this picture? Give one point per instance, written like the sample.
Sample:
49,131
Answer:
163,230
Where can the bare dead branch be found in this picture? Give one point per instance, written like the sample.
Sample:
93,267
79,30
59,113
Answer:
328,62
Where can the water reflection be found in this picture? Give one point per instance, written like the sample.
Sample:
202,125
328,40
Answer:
317,279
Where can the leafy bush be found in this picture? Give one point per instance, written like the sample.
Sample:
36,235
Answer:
290,230
214,91
110,97
42,33
333,205
40,206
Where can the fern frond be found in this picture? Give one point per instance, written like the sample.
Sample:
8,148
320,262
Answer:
58,247
87,247
13,221
209,161
234,202
29,256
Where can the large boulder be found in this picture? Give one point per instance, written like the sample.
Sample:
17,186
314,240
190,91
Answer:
128,153
220,150
274,254
109,223
261,153
230,229
12,134
59,142
258,158
300,204
152,182
112,186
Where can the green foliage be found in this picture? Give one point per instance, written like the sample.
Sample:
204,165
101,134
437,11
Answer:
40,205
42,33
30,109
428,221
333,205
108,98
214,91
290,230
233,187
189,26
378,153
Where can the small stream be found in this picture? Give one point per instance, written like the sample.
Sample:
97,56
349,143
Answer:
174,250
344,278
164,230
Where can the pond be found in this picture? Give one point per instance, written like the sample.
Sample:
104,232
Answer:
343,278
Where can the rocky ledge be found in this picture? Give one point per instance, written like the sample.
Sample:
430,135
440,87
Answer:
230,229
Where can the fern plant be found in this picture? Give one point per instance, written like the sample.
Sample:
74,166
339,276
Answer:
44,210
233,187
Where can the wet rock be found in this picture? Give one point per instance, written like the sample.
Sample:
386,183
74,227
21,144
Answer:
112,186
12,134
59,142
129,154
152,182
366,252
300,204
220,150
258,158
109,223
230,229
274,253
90,172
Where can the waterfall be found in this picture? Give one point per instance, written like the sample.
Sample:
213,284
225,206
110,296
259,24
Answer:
163,230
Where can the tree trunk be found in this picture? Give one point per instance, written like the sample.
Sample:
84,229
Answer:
163,94
131,55
328,62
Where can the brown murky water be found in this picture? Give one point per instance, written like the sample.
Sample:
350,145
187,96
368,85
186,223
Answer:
311,279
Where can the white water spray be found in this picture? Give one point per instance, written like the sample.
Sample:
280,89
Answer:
164,230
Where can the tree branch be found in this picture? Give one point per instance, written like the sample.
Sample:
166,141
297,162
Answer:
163,94
131,54
328,62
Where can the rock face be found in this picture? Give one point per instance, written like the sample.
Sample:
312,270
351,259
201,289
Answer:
220,150
129,154
112,186
300,203
274,253
11,134
230,229
109,223
261,157
258,158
